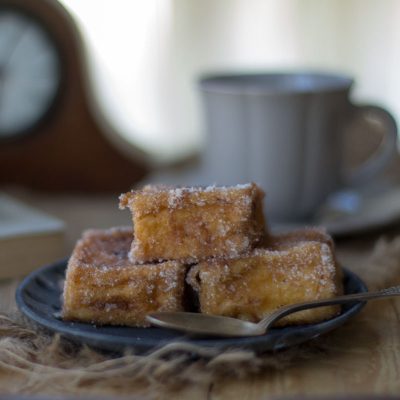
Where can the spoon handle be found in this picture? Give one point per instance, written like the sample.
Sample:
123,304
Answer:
289,309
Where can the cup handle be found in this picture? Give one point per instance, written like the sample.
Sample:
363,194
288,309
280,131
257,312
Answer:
385,152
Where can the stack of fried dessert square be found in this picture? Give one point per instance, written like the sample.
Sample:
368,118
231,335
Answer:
211,240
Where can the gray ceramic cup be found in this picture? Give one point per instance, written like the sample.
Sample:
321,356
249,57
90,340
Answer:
286,131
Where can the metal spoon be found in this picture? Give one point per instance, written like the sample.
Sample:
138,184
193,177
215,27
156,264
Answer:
214,325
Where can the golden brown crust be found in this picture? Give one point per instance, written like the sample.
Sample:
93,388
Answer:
308,234
103,287
109,282
251,286
192,224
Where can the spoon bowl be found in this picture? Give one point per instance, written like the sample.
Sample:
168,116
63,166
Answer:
213,325
203,324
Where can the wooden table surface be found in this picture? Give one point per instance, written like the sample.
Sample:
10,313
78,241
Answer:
363,356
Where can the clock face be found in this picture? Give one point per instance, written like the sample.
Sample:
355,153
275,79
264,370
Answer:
30,74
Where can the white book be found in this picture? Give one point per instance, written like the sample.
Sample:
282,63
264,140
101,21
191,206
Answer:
28,238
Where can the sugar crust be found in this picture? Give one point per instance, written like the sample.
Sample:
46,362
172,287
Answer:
102,286
253,285
194,223
110,280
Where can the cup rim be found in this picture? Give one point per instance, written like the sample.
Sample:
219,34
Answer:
245,83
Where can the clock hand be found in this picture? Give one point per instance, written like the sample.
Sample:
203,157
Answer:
2,82
12,47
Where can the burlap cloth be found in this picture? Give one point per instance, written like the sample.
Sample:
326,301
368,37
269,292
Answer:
36,362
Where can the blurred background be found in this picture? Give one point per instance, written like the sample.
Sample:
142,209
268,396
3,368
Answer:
99,96
145,57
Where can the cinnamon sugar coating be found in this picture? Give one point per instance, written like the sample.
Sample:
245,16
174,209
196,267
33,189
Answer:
103,287
191,224
253,285
288,239
309,234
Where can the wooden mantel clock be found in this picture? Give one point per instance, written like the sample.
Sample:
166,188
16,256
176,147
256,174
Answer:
49,137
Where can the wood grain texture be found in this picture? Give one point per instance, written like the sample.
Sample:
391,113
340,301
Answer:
69,150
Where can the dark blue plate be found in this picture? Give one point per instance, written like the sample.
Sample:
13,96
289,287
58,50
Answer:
39,298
